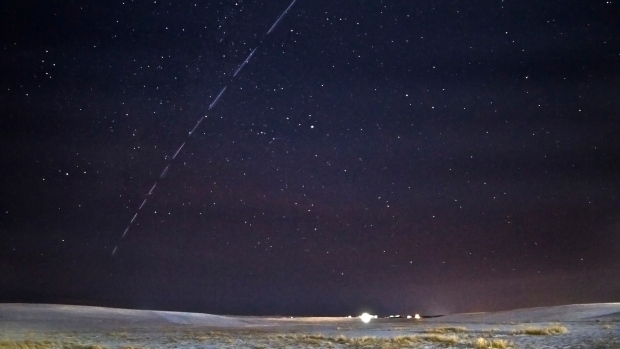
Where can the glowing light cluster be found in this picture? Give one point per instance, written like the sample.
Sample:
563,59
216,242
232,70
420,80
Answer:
367,317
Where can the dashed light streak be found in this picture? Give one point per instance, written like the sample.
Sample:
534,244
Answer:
217,98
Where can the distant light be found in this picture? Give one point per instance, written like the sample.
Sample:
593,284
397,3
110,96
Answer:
408,316
366,317
417,316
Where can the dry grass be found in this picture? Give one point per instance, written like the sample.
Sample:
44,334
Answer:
400,341
277,341
82,346
482,343
440,338
437,337
46,344
308,339
199,336
319,340
543,331
444,330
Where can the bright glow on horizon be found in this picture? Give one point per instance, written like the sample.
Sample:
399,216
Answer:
366,317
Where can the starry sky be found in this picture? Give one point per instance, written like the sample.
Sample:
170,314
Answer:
385,156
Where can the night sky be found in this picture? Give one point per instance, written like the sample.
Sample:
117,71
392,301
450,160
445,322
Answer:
385,156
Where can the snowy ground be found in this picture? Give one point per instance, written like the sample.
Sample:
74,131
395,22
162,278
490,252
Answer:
56,326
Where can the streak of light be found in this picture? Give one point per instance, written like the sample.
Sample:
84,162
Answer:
244,62
164,172
195,127
217,98
153,187
282,15
177,153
